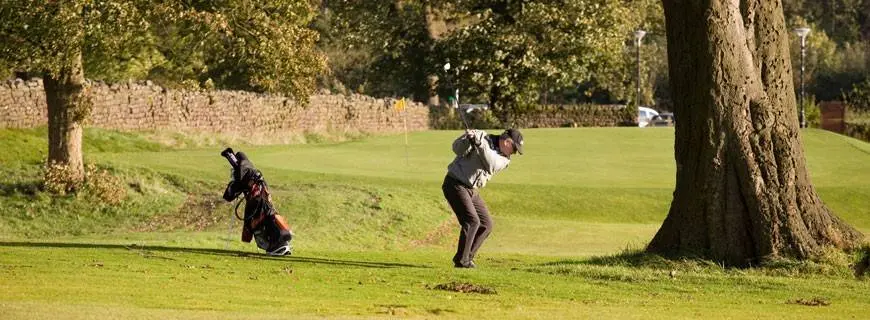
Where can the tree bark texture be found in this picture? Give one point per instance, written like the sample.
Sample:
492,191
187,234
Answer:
435,27
67,108
743,194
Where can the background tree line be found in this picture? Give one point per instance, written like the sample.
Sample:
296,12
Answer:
509,53
393,47
838,49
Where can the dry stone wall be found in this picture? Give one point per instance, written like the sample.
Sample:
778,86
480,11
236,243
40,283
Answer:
145,106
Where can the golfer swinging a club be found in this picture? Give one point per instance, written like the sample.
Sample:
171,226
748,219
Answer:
478,157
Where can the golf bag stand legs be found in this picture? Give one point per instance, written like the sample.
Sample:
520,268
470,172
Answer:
270,232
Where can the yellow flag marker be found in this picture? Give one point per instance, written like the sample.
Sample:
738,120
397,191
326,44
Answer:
400,104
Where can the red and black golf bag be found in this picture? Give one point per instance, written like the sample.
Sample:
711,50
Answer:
262,222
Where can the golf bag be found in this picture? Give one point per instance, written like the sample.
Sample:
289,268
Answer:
262,222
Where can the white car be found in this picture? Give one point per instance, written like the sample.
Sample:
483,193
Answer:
644,115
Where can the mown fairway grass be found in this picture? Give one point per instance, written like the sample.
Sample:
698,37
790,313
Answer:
375,236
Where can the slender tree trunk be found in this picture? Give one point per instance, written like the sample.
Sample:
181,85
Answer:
435,27
67,108
743,194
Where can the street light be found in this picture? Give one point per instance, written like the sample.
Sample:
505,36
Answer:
802,33
638,35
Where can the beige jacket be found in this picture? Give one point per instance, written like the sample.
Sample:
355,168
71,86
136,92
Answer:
474,164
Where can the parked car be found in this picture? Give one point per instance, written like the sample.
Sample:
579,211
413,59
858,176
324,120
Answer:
645,115
664,119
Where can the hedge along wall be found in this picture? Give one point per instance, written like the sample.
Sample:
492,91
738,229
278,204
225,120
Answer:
858,130
549,116
144,106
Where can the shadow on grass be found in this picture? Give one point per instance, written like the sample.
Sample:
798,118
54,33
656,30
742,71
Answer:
639,259
832,262
207,251
28,188
628,258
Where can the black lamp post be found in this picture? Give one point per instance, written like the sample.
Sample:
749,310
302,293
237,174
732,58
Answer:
802,33
638,35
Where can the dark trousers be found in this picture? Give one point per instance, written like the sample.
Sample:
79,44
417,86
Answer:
473,216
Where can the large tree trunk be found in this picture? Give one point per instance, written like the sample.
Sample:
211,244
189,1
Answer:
742,194
67,108
435,29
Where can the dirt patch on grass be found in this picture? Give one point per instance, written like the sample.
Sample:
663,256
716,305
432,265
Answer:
464,287
197,213
814,302
393,309
440,311
443,230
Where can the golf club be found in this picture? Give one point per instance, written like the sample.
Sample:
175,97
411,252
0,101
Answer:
462,108
449,77
468,108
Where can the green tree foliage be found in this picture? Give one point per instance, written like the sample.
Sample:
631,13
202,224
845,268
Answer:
858,97
49,35
379,48
838,47
646,15
265,47
240,44
514,50
843,20
510,54
260,46
619,85
851,69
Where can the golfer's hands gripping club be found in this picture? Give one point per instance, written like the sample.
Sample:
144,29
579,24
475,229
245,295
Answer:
475,136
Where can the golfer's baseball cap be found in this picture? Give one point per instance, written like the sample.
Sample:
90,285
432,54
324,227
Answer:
517,138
